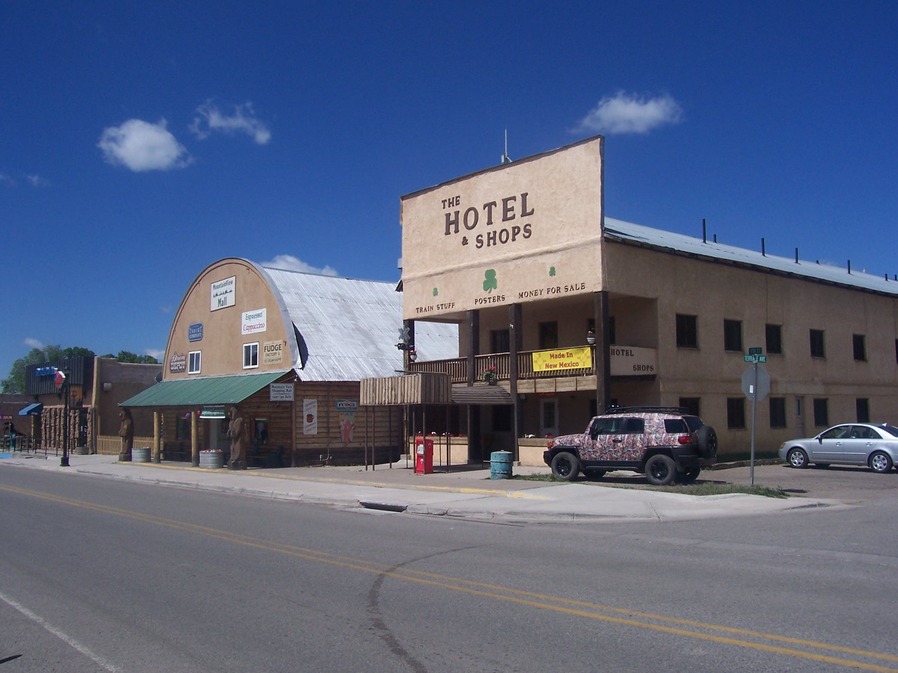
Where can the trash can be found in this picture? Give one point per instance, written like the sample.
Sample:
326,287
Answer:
423,455
500,465
141,455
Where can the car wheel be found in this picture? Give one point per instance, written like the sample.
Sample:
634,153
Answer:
706,438
797,458
660,470
689,475
565,466
594,475
880,462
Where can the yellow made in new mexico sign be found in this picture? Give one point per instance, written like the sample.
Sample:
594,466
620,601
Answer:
568,358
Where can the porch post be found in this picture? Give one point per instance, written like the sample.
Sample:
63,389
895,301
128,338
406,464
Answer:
603,353
516,340
194,438
473,324
157,439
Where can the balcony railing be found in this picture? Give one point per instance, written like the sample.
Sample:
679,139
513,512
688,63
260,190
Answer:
457,368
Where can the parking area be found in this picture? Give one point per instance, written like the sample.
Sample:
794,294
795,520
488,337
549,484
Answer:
850,484
839,482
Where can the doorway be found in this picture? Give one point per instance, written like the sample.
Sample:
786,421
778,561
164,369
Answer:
548,416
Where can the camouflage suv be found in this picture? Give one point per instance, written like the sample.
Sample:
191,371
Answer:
667,444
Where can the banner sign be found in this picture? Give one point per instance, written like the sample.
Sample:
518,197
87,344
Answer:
559,360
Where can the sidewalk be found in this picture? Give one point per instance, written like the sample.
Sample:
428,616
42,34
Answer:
461,491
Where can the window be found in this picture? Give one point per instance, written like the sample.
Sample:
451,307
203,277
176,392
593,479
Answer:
260,431
736,413
687,331
182,427
732,335
251,355
817,349
500,341
193,362
774,339
859,343
862,406
821,412
691,405
548,335
777,412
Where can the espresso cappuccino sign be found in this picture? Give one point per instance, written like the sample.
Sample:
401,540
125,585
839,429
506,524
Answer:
519,232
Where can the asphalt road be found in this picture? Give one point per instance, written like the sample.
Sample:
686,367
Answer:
101,575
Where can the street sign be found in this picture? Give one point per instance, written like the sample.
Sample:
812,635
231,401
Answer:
756,350
756,389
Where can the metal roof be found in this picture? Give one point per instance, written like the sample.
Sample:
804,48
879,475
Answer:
636,234
348,329
212,390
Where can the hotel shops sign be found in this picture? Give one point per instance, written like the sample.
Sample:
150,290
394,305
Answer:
518,233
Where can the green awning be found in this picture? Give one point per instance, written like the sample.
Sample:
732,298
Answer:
195,392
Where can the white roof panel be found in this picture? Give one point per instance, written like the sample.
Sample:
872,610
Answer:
682,244
348,329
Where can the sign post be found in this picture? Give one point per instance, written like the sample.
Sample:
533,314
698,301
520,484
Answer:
756,386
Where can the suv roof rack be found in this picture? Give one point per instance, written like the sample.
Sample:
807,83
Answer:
632,410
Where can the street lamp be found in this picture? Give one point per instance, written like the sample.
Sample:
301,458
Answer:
63,385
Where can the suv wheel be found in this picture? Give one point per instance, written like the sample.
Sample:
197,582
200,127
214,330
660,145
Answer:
689,475
565,466
660,470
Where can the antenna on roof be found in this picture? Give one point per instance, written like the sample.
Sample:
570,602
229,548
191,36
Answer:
505,158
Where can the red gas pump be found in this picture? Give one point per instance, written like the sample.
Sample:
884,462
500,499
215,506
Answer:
423,455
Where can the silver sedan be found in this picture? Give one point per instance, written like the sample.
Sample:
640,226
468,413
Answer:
874,445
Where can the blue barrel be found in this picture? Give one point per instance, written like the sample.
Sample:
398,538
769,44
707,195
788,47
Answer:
500,465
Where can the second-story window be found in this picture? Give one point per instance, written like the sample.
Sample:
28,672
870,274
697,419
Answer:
859,342
687,331
548,335
732,335
817,345
251,355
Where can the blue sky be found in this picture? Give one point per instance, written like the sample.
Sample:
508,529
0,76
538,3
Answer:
140,142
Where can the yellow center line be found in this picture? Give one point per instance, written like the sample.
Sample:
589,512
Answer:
717,633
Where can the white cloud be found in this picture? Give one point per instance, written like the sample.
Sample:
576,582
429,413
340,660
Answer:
6,180
629,113
243,120
31,342
141,146
157,353
36,181
291,263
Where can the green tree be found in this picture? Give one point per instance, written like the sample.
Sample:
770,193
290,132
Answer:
128,356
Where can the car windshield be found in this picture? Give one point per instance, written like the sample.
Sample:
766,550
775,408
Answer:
891,429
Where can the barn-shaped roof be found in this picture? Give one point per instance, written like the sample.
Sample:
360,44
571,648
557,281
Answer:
347,329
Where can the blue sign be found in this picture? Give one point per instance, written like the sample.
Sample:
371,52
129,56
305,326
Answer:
195,332
45,371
